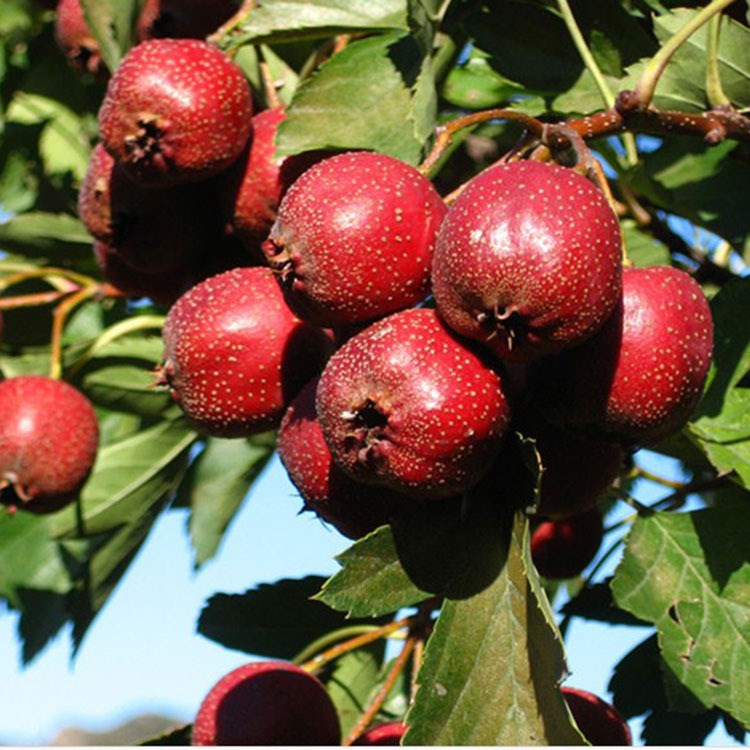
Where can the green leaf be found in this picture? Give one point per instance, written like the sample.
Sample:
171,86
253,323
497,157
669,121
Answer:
595,602
689,574
643,248
492,666
51,236
721,424
111,23
284,20
372,580
215,486
341,105
276,620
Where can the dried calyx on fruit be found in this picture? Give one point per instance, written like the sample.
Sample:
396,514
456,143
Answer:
75,39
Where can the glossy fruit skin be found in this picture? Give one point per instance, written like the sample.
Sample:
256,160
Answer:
175,111
354,237
355,509
49,439
563,548
383,734
258,181
600,722
639,379
153,230
406,404
528,260
267,703
183,19
74,38
235,355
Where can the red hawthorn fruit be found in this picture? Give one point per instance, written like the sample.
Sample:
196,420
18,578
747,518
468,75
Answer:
154,231
639,379
175,111
383,734
407,405
355,509
235,355
183,19
563,548
353,238
49,439
267,703
528,260
74,38
601,723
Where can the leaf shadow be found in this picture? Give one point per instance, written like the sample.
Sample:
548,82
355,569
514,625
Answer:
723,535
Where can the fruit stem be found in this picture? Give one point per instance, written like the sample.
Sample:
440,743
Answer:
336,636
59,278
714,91
59,316
272,96
444,133
375,705
646,86
651,477
30,300
118,330
589,61
329,655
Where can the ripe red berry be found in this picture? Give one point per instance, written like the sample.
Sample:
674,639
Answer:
49,439
383,734
354,237
183,19
353,508
528,260
639,379
175,111
406,404
153,230
235,355
600,722
74,38
267,703
563,548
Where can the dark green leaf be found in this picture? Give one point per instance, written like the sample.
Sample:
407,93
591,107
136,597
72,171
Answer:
643,249
111,22
45,235
341,105
215,486
689,574
180,736
595,603
492,666
276,620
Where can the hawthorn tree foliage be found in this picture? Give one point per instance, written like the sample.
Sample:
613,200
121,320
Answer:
450,86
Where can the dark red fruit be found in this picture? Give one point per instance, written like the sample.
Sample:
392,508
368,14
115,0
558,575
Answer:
355,509
267,703
235,355
175,111
383,734
49,439
354,237
257,182
528,260
563,548
600,722
183,19
639,379
407,405
74,38
153,230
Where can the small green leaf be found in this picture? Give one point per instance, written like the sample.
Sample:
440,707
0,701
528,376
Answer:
643,248
38,234
111,23
372,581
215,486
493,665
689,574
277,620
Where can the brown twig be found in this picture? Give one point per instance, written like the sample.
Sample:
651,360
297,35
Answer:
59,317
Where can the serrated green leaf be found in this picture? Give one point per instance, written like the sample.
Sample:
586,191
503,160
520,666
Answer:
595,602
643,248
277,620
284,20
215,486
372,581
111,23
689,574
492,667
341,105
51,236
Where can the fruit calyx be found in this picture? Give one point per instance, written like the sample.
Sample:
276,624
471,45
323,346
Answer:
503,322
369,430
147,143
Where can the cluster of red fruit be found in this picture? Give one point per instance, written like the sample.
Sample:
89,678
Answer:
279,703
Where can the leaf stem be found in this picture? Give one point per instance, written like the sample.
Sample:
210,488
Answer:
59,316
714,91
230,25
646,86
335,636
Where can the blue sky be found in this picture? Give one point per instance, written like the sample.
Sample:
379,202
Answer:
142,653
